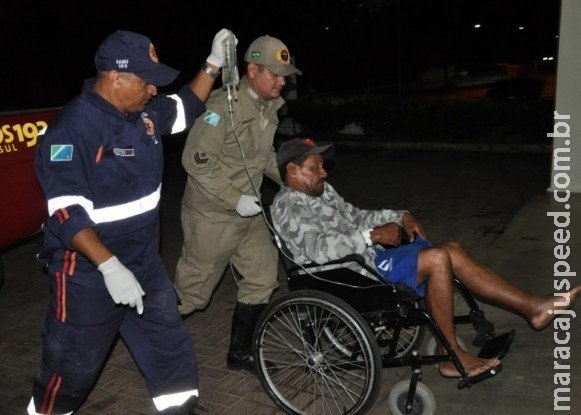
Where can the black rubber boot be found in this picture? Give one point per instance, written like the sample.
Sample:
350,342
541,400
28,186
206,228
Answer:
240,354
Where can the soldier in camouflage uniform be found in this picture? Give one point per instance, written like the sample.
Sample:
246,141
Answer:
318,226
226,155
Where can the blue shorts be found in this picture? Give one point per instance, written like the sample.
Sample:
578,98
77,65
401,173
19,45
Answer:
400,264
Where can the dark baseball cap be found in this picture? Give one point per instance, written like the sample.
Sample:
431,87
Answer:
272,53
126,51
302,146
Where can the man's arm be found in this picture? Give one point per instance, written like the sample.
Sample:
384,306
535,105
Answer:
88,243
203,82
202,151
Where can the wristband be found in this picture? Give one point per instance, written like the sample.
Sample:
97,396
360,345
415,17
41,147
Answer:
214,74
367,237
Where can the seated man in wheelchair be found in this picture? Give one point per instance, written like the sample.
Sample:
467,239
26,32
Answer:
318,226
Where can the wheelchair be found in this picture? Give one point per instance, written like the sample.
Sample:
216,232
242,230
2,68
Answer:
319,348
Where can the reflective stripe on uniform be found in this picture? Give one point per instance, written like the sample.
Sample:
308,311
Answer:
32,409
109,213
174,399
179,124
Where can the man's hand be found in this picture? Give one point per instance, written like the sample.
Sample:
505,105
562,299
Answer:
412,227
387,234
217,54
248,206
391,233
122,284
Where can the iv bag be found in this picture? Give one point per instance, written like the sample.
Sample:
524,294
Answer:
230,75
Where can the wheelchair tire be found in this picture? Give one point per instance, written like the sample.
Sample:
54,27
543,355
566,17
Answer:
424,402
410,338
303,370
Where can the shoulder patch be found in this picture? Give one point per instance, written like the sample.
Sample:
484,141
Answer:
200,157
61,152
212,118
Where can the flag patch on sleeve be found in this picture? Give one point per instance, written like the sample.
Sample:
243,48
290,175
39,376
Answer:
61,152
212,118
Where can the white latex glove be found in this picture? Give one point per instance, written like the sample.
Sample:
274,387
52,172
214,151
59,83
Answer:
217,54
248,206
122,284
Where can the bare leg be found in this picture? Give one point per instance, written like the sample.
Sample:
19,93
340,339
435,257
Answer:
487,285
435,267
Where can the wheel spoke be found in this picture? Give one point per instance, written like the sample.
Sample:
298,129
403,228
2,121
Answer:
318,356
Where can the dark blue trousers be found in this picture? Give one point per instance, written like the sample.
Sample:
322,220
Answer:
83,322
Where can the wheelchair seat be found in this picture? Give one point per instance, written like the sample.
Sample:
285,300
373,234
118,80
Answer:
363,293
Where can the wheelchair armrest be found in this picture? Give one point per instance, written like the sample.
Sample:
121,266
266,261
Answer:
357,258
349,258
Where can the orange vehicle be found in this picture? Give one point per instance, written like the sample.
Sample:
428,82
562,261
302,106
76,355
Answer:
22,205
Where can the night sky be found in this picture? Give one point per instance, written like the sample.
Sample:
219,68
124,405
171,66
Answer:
47,48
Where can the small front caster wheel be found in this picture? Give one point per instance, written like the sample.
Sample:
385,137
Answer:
424,402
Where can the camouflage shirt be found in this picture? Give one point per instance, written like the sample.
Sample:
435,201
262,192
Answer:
324,228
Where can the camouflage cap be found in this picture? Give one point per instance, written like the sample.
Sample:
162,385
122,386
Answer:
272,53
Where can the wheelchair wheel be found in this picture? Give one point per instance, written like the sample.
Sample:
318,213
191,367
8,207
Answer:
409,338
424,402
317,355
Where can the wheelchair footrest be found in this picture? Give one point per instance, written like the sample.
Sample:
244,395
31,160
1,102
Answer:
468,382
497,346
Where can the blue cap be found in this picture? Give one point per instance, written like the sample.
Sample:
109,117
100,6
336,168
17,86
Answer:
126,51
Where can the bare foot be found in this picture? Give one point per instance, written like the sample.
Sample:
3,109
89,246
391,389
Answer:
546,314
472,364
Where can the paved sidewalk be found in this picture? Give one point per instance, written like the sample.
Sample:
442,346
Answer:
494,204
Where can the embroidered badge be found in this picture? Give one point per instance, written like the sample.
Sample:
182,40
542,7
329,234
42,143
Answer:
282,56
153,53
120,152
124,152
212,118
200,158
61,152
149,129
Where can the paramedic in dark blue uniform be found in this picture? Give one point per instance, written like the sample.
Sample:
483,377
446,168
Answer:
100,165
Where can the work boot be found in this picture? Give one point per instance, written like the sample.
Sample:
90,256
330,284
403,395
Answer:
240,354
